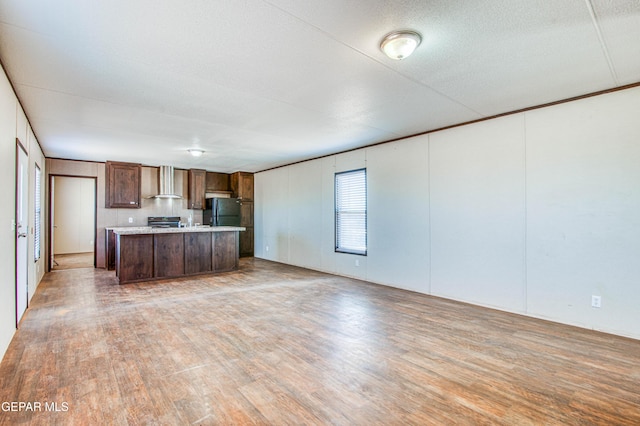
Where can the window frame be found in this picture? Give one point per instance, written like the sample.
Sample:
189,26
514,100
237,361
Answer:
337,244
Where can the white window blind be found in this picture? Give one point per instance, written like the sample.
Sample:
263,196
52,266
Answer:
351,211
38,215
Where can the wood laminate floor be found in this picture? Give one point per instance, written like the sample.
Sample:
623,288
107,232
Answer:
73,261
274,344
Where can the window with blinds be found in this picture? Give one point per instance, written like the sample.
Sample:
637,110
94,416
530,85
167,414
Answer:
351,211
38,217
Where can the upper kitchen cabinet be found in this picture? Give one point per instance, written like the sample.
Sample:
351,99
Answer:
122,185
217,182
242,185
197,183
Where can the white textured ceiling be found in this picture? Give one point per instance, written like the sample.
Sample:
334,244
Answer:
261,83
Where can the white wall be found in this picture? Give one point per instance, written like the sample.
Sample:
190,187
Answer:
478,213
13,124
74,214
583,212
7,212
530,213
398,209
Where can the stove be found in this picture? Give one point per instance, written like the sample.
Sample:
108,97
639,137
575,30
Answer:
163,221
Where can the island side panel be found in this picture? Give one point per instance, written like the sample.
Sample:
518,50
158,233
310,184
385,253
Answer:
226,251
134,258
168,253
110,250
197,252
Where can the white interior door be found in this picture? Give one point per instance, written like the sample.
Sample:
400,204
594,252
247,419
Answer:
22,231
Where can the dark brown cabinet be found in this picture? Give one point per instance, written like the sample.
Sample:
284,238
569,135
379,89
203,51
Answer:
122,185
246,220
217,182
225,251
110,249
242,187
246,213
134,257
246,242
168,255
197,182
197,253
145,257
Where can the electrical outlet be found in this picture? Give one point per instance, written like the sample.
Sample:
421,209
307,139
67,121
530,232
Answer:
357,262
596,301
130,220
267,248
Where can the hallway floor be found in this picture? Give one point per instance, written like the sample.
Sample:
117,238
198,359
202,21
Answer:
72,261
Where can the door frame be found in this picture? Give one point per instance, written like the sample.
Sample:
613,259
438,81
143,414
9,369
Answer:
18,314
50,199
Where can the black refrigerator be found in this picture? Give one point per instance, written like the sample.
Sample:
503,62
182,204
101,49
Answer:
222,212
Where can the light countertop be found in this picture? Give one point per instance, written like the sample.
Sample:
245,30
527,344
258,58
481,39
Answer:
136,230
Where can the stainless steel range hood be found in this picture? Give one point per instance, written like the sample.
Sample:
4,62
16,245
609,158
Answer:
165,183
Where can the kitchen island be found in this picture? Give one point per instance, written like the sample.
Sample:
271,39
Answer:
145,253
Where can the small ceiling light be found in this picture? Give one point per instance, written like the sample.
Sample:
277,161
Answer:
400,44
196,152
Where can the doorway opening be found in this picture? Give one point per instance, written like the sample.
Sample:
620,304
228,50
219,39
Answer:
73,222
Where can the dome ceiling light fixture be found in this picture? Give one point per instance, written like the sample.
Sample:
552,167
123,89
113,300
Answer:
400,44
196,152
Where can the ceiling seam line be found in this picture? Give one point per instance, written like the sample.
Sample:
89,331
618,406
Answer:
603,44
